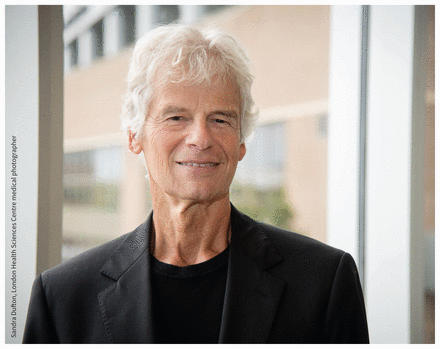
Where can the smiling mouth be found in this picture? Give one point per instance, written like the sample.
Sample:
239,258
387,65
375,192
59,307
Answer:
197,164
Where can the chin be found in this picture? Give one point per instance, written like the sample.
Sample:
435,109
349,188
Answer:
200,194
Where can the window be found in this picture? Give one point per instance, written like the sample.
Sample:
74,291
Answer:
208,9
128,29
73,49
91,178
97,40
323,125
165,14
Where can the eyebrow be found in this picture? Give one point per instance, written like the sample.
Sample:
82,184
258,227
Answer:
171,109
228,113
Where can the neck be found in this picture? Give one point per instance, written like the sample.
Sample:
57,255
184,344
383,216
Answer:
188,232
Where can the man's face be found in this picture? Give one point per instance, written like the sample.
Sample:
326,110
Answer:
191,140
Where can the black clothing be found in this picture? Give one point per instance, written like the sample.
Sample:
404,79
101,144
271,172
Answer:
281,287
188,301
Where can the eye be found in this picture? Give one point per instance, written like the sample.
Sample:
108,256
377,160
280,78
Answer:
175,118
220,120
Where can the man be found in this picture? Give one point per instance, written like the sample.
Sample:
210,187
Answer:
197,271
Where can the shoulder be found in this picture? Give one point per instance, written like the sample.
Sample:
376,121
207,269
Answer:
320,269
321,283
92,262
284,241
301,256
301,245
83,265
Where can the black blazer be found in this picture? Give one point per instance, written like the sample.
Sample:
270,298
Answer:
281,288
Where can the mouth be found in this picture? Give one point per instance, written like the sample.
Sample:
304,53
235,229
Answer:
199,164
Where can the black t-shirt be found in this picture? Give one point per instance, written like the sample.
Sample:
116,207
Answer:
188,301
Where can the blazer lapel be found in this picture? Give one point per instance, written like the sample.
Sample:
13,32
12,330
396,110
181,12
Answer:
252,293
126,305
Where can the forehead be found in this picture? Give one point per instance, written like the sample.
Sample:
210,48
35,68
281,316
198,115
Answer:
218,93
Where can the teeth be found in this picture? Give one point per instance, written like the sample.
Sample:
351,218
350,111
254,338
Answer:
193,164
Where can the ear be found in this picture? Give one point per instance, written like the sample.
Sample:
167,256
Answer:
134,144
242,151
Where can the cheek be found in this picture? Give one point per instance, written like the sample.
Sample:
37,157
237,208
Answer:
160,149
232,147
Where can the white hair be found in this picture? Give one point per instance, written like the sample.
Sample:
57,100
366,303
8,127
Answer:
189,56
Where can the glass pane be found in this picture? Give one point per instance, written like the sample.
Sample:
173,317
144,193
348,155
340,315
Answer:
282,179
258,189
91,197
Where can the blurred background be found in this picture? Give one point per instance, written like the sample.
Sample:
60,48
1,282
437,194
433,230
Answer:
283,178
343,151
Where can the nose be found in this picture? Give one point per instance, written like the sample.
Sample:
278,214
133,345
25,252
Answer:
199,135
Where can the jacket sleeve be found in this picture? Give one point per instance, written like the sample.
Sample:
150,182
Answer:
39,326
346,320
